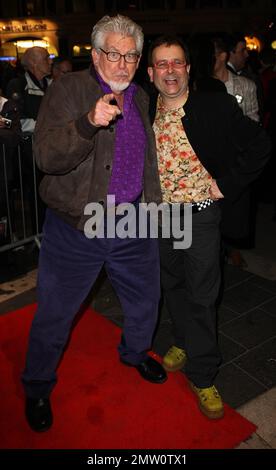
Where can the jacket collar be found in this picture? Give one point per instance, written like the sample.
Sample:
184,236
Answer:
39,84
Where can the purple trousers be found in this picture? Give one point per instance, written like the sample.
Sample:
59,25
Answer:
69,264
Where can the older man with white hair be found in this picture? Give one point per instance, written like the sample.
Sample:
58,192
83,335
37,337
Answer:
30,88
28,92
94,139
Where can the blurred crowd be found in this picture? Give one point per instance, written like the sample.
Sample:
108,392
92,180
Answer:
23,87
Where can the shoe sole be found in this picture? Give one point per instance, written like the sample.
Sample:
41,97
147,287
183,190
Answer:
44,429
153,381
211,414
41,429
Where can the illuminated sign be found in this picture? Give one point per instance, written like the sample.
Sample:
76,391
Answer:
23,28
26,26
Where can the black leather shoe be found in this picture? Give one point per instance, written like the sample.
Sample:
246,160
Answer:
39,414
150,370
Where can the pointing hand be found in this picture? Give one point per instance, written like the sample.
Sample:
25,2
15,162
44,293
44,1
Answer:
104,112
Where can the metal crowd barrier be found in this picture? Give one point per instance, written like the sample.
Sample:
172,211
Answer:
19,200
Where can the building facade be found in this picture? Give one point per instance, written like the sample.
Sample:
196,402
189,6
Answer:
64,26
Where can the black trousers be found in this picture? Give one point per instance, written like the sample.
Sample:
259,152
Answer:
190,280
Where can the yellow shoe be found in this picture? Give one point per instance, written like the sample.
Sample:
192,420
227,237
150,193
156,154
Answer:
209,401
174,359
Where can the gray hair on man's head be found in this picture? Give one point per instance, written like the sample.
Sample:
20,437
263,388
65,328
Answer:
31,56
116,24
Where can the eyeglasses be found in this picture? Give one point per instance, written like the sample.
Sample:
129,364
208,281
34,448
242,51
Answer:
164,64
129,57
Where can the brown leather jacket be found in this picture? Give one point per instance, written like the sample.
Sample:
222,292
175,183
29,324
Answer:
76,156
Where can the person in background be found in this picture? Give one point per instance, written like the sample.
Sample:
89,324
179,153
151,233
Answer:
207,151
60,66
238,219
9,122
239,64
202,56
271,129
10,135
238,53
267,74
28,91
242,88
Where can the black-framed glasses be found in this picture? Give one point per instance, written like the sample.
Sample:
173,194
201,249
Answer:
129,57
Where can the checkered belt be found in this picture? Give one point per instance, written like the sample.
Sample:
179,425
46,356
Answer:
196,206
201,205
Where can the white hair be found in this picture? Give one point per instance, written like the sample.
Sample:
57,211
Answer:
31,56
117,24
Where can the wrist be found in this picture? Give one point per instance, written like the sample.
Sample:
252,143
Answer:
90,119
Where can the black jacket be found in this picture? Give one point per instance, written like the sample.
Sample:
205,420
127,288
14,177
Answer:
76,156
28,92
10,136
233,148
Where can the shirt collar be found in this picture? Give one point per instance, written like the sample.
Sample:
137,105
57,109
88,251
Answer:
162,110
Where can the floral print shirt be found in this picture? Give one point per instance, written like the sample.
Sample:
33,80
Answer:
182,175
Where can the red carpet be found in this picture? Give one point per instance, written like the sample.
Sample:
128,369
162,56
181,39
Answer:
99,403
